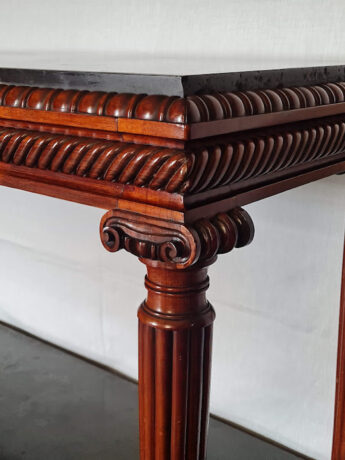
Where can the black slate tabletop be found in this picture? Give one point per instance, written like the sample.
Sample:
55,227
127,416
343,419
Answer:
161,75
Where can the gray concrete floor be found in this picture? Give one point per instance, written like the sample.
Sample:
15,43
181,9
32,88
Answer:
55,406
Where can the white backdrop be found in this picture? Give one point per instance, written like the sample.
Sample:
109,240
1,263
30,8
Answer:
277,301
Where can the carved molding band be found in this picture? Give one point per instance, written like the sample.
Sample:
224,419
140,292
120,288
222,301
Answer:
219,106
258,155
118,105
140,165
172,109
175,244
172,170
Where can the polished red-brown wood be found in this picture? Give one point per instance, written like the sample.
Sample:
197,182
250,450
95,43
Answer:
230,170
175,244
172,117
338,452
172,172
175,322
175,338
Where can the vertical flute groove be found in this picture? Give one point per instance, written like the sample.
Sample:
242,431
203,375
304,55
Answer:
147,422
195,393
141,374
206,391
180,385
163,370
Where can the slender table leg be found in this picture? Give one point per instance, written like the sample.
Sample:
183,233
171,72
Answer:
338,452
175,336
175,322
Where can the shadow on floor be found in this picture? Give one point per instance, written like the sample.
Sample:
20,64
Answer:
56,406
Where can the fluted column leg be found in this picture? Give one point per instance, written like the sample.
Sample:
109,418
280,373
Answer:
175,337
175,321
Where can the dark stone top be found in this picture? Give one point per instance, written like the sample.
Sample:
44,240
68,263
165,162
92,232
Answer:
187,80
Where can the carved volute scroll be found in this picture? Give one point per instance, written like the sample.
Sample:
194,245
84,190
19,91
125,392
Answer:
172,244
175,322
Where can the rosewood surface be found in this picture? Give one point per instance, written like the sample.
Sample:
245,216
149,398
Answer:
172,159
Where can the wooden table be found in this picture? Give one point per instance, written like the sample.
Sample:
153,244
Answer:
172,159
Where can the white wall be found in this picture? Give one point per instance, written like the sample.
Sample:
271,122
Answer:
277,301
268,30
